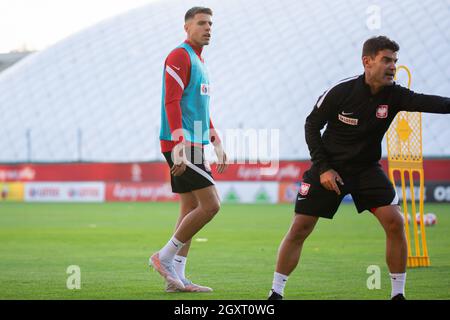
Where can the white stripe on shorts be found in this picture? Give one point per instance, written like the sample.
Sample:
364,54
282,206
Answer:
200,171
395,201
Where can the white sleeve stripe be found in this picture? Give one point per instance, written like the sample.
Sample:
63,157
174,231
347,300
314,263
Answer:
175,76
319,103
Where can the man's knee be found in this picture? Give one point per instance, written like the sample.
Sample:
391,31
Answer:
395,225
300,231
187,209
188,203
211,208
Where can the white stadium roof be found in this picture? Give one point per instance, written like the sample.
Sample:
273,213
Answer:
269,60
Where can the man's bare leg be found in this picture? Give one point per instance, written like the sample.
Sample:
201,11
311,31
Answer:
290,249
188,202
391,218
193,222
188,226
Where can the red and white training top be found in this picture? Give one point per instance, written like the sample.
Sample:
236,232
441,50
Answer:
177,75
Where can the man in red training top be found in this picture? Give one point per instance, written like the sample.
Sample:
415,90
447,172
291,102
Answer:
185,128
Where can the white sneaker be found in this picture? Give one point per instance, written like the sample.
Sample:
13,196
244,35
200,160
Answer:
189,286
166,270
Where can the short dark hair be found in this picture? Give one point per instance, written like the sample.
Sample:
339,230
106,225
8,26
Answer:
195,10
375,44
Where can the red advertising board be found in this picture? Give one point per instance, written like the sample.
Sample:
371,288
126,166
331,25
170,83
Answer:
434,169
161,192
281,171
285,171
107,172
292,171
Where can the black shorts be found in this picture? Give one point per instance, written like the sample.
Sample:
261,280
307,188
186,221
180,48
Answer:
368,185
197,175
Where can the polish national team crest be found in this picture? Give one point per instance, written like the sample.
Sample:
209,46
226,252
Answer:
204,89
304,188
382,111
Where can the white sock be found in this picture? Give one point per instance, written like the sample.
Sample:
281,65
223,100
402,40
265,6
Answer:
168,252
180,265
279,282
398,283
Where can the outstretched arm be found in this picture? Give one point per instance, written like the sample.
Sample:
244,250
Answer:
416,102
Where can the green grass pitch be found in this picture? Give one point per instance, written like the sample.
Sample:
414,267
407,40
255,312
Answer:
111,244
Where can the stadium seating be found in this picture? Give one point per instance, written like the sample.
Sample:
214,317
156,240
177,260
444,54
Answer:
95,96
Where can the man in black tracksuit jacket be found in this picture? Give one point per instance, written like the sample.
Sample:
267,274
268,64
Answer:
357,112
